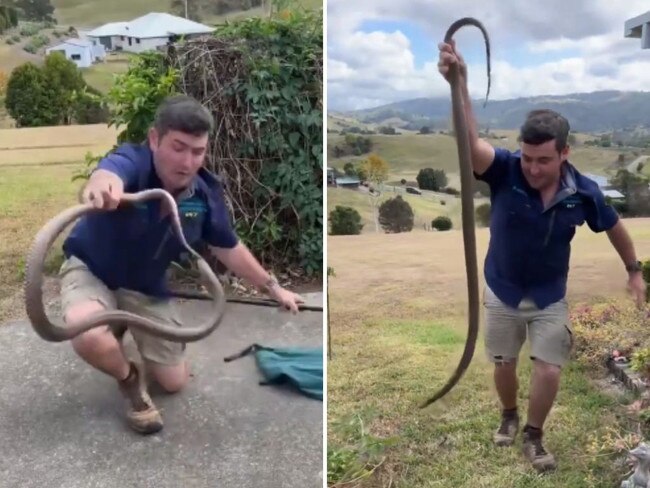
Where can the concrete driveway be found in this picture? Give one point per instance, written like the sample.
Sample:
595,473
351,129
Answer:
61,422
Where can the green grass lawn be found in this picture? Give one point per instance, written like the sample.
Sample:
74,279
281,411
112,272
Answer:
29,197
101,75
398,310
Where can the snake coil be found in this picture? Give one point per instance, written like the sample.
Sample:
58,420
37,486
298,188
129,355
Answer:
57,331
467,201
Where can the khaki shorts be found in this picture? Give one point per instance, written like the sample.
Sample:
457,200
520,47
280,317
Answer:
79,285
549,330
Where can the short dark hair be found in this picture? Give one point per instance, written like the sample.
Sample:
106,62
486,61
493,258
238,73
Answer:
184,114
545,125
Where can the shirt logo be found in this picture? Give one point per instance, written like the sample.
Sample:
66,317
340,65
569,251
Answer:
191,215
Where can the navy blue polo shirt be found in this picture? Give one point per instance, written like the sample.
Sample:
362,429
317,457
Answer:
529,250
132,247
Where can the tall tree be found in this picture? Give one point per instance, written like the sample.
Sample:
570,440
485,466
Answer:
194,9
376,170
36,10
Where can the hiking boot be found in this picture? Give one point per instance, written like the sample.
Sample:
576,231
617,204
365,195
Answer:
541,459
141,413
508,429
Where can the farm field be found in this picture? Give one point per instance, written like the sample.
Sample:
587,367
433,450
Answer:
398,319
406,154
36,170
49,145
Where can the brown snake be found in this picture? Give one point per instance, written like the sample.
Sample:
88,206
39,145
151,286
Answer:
57,331
467,200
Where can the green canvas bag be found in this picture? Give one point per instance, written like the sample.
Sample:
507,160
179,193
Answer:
300,367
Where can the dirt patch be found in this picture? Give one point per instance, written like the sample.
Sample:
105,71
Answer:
12,307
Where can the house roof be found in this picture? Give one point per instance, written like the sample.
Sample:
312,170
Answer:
72,42
613,194
154,24
110,29
347,180
600,180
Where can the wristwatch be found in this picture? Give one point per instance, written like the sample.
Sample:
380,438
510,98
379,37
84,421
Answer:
632,268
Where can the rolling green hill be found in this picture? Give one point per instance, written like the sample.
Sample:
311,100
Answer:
586,112
91,13
406,154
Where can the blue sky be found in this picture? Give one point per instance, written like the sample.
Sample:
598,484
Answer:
424,47
380,51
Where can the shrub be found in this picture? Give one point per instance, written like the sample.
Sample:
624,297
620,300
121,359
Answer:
396,215
30,28
345,221
483,214
431,179
598,332
451,191
441,223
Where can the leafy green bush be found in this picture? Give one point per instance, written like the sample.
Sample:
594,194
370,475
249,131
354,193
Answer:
53,94
28,29
345,221
38,41
431,179
598,332
268,146
396,215
483,214
441,223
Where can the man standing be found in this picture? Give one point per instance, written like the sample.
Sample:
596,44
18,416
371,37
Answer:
118,258
538,198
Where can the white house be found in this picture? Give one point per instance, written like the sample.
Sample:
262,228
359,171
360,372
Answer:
639,28
146,33
81,52
605,186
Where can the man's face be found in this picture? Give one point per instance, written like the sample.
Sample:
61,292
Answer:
542,164
178,157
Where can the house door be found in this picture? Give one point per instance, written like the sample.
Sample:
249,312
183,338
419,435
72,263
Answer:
130,41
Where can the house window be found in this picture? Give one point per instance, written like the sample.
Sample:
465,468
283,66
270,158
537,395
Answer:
137,41
75,57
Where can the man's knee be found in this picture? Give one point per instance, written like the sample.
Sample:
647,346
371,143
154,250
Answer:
171,378
502,363
546,371
94,341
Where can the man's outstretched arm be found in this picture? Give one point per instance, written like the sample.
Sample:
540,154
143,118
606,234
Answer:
622,242
241,261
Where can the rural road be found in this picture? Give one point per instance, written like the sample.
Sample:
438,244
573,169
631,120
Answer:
61,422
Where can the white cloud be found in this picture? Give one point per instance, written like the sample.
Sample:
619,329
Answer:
369,69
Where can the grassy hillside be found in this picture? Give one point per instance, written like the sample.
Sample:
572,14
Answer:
96,12
425,208
409,152
398,307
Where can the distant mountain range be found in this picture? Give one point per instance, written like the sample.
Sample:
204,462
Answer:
587,112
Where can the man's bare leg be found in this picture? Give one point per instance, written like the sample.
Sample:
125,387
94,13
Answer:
505,381
544,385
545,382
100,348
171,378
